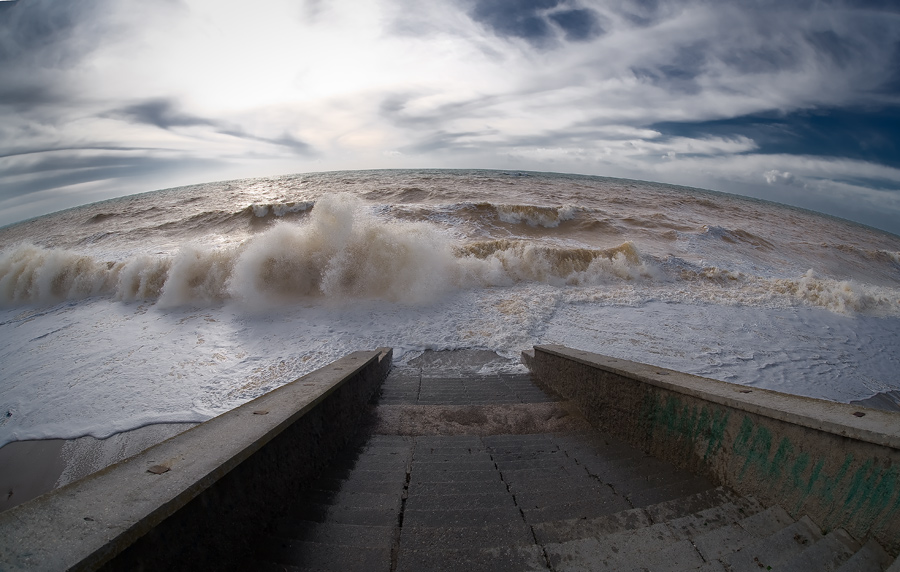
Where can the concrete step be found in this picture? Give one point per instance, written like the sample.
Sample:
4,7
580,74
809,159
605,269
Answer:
775,549
731,537
511,533
675,508
563,530
316,512
620,541
626,550
705,521
895,567
826,555
501,559
870,558
355,499
560,531
316,555
349,535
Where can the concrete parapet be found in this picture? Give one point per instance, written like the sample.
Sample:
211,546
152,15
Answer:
194,500
837,463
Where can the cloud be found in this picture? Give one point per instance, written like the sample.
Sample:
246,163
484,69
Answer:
699,93
165,114
539,22
828,132
776,176
40,41
160,112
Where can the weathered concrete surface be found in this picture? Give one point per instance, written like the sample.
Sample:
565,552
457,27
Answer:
201,489
472,472
837,463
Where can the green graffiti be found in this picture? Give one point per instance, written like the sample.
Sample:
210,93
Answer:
872,493
860,482
813,477
758,451
716,430
784,449
861,493
796,482
830,484
797,469
741,445
689,423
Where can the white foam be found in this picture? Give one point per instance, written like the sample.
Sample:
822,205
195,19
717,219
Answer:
547,217
114,337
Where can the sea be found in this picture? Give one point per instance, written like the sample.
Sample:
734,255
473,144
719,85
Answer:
178,305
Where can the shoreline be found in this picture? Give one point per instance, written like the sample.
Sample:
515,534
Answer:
29,469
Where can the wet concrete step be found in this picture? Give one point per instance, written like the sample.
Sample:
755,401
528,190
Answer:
497,559
776,549
826,555
683,540
653,547
870,558
731,537
511,533
578,500
322,556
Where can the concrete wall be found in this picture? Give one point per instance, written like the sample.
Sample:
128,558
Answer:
838,463
196,500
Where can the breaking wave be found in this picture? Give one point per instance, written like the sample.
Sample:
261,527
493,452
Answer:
839,296
340,251
343,250
516,214
547,217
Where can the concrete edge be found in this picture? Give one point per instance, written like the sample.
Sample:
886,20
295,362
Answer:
874,426
88,522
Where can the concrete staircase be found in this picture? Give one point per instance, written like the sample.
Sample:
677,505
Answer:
444,479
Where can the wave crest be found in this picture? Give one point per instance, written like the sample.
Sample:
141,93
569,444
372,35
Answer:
547,217
841,296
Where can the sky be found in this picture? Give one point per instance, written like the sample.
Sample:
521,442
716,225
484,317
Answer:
792,101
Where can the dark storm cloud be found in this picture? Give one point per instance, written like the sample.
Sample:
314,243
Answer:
165,114
162,113
38,40
891,85
539,22
862,134
680,71
643,12
578,25
58,169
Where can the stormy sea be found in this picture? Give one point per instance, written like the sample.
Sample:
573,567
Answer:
180,304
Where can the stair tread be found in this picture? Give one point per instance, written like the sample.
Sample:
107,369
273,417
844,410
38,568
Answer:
674,508
515,533
494,559
826,555
731,537
704,521
308,554
353,535
870,558
625,551
776,548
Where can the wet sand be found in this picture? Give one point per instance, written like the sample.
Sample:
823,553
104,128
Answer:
32,468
